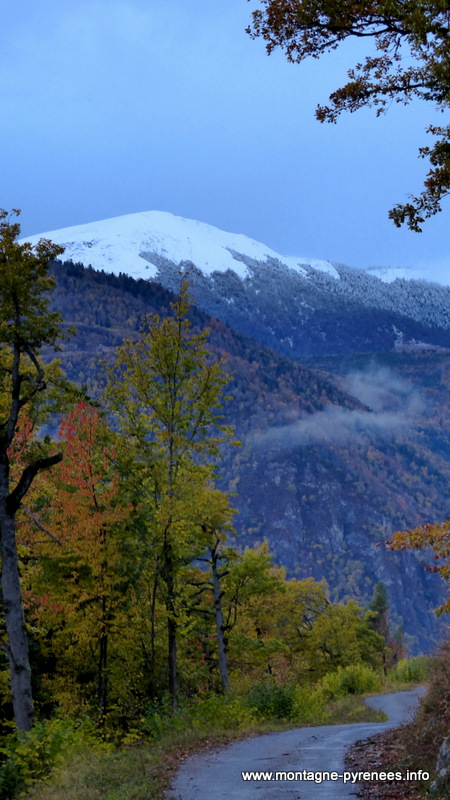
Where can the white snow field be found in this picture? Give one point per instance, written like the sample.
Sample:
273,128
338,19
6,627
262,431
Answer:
115,245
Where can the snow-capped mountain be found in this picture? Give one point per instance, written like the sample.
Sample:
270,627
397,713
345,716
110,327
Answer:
123,244
299,306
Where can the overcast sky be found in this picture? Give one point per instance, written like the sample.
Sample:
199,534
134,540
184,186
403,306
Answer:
110,107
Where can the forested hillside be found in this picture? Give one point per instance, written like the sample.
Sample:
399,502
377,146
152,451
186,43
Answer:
310,311
121,585
337,453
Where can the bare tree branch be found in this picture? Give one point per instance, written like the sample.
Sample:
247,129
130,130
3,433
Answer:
40,525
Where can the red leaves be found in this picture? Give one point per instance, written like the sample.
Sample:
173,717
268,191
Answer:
22,438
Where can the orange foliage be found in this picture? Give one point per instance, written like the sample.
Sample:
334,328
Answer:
82,515
435,535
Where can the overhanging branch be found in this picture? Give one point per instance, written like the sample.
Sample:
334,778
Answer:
28,475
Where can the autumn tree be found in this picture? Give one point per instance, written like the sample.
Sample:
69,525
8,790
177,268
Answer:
26,327
341,636
411,60
206,600
252,590
82,575
434,537
268,618
165,392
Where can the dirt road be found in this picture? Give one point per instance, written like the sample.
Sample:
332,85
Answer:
217,774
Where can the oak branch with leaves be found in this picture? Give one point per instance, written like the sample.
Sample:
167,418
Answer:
431,535
412,61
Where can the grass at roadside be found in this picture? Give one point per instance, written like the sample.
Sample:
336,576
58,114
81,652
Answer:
141,768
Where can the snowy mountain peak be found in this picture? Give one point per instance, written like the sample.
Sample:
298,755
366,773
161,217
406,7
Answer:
130,244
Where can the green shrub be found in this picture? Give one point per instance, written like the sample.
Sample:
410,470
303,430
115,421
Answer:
412,670
214,714
160,721
222,713
272,701
26,759
310,705
353,679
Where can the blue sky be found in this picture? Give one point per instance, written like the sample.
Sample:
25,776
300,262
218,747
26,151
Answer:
111,107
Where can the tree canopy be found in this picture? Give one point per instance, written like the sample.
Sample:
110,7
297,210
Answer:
411,61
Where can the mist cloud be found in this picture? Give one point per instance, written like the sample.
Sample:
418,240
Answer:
393,406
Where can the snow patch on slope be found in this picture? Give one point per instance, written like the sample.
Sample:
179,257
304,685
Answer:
120,244
390,274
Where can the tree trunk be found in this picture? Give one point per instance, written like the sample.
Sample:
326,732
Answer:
103,665
171,623
223,661
17,647
153,638
172,643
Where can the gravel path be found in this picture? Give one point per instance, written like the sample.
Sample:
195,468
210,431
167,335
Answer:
216,774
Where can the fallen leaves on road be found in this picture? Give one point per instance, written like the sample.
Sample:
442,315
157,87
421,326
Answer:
383,753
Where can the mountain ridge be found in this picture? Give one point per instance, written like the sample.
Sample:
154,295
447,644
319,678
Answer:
172,237
297,306
167,230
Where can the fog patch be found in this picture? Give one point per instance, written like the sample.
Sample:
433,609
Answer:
393,406
380,390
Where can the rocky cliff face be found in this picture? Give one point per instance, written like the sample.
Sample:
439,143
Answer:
326,515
